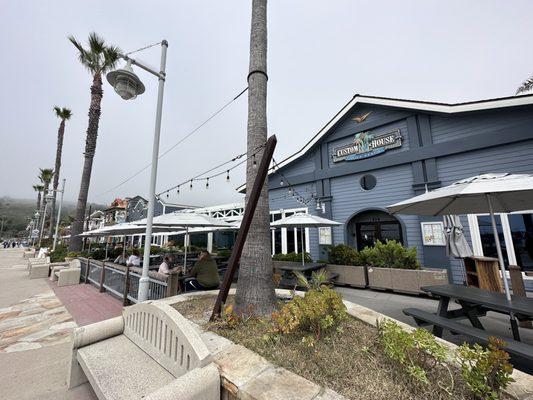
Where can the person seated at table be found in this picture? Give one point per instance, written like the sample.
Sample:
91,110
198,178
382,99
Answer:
164,268
204,274
134,260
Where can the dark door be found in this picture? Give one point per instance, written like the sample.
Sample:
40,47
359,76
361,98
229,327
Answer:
369,232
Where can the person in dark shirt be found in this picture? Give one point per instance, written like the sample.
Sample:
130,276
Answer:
204,274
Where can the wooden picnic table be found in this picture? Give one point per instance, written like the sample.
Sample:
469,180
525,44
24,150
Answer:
476,302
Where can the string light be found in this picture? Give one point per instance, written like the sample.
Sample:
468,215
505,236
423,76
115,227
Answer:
167,194
254,162
190,186
207,183
227,175
178,191
281,183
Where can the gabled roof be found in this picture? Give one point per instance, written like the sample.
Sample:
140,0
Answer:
428,106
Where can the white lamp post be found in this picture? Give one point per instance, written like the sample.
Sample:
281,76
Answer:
128,85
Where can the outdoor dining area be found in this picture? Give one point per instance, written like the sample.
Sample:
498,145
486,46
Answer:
488,193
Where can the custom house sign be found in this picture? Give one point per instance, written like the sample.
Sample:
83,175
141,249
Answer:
366,144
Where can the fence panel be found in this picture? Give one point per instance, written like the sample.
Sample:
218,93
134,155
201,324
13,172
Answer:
114,281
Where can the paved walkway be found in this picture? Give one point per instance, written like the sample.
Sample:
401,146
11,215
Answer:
34,336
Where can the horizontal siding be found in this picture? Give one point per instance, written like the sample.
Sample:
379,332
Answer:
393,185
450,127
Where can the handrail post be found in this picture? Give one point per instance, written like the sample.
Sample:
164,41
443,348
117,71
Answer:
102,278
125,301
172,284
88,270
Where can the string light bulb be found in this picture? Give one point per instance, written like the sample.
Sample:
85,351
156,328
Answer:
167,194
190,186
318,205
254,162
227,175
178,191
207,183
281,183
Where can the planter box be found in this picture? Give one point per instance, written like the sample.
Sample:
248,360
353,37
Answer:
349,275
405,280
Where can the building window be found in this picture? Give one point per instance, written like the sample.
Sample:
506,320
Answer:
368,182
488,243
288,240
521,227
433,233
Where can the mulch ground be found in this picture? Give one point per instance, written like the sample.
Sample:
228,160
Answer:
349,361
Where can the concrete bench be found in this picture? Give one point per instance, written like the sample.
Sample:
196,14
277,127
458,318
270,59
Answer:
150,352
66,274
38,267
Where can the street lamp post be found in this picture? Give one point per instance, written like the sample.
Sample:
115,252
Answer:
128,86
62,191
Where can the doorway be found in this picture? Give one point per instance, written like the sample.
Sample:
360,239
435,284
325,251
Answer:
366,228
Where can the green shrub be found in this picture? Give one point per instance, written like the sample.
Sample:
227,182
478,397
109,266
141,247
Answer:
73,254
390,254
59,254
417,352
319,311
98,254
292,257
342,254
485,371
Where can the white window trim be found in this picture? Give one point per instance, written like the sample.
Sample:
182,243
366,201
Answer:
432,223
475,235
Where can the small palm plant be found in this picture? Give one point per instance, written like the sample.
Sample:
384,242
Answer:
98,58
526,86
318,279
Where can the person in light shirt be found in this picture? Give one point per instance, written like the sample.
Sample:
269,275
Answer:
134,260
164,268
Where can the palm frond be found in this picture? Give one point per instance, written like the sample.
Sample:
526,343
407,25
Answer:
66,113
46,175
57,111
526,86
111,57
38,188
302,279
96,43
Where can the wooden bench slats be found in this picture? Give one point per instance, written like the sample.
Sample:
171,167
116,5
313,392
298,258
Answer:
520,349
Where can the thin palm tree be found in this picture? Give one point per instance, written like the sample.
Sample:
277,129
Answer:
526,86
255,287
39,189
98,58
46,175
63,114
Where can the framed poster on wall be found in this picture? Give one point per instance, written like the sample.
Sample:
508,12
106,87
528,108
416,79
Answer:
433,233
324,235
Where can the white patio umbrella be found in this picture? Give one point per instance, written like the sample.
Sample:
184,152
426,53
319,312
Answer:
186,220
302,220
490,193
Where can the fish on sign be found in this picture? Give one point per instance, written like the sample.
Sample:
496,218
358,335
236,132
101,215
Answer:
366,144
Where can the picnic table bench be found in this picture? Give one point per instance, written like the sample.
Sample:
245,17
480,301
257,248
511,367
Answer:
474,303
150,352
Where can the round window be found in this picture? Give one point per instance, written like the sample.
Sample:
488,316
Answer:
368,182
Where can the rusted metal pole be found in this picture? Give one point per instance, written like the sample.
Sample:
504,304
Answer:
262,172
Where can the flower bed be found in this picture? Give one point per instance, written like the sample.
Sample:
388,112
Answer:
349,360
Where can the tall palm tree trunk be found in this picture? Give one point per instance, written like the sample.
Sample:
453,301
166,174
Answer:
38,201
255,288
59,150
90,147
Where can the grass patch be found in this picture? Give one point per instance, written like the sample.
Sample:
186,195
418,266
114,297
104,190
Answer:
349,360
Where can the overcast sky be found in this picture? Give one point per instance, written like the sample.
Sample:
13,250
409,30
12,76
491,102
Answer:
320,54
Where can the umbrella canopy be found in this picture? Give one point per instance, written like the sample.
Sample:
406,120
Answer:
508,193
487,193
121,230
302,220
186,220
456,244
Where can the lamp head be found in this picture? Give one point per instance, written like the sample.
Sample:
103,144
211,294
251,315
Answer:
125,82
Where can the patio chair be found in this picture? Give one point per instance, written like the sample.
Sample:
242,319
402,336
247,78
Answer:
66,274
38,267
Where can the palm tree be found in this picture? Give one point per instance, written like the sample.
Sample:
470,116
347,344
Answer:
255,287
39,189
98,58
526,86
45,176
63,114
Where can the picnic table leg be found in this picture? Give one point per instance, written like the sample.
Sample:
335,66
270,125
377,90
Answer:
442,311
514,328
471,315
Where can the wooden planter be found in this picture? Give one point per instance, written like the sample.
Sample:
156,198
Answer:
405,280
349,275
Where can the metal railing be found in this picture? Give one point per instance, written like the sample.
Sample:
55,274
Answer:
123,282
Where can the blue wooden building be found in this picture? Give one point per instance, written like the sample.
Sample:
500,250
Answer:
377,151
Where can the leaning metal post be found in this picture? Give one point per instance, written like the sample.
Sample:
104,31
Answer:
249,211
144,281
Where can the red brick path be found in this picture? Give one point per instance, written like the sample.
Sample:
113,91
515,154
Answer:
86,304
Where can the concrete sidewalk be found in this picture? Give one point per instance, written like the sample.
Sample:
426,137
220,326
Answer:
33,370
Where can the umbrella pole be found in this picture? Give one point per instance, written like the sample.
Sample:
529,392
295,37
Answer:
303,250
186,245
106,244
514,324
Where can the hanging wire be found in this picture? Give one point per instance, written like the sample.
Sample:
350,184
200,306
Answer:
292,192
217,112
143,48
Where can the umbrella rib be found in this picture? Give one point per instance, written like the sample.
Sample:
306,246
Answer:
447,204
